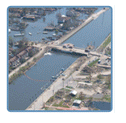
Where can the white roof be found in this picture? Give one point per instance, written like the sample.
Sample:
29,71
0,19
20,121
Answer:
73,92
63,15
77,101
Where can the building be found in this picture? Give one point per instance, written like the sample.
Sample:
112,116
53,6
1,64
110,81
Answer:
49,28
14,62
73,93
29,17
23,54
77,102
72,13
63,19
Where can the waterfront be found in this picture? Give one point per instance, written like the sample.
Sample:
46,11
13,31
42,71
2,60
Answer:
23,91
101,105
23,94
96,31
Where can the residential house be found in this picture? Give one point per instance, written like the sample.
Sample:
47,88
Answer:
14,62
72,13
23,54
63,19
49,28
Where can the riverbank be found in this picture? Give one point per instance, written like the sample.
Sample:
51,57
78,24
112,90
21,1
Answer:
59,83
53,88
15,73
87,21
104,43
27,65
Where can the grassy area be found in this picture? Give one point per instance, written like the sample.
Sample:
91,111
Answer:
106,42
92,63
20,72
60,105
107,98
69,87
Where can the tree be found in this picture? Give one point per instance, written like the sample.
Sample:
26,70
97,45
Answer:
35,59
90,77
81,96
21,44
31,53
22,60
10,41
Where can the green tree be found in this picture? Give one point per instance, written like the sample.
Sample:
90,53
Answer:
31,53
22,60
10,41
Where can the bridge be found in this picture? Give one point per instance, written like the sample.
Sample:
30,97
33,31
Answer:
74,50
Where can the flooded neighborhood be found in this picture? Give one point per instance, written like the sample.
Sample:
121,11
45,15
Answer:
59,58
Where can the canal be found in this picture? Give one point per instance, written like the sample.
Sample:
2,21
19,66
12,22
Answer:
101,105
94,33
23,91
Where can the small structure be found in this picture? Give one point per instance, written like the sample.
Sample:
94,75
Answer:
72,13
29,17
68,45
49,28
63,19
77,102
73,93
14,62
23,54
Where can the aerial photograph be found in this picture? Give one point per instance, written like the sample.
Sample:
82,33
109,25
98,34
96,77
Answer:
59,58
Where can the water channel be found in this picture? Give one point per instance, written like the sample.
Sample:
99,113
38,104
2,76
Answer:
23,91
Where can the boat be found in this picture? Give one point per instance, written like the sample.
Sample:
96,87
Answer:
9,30
48,53
18,35
54,34
54,77
62,69
30,33
45,32
43,38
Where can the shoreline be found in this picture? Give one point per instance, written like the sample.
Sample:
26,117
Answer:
98,48
41,96
63,39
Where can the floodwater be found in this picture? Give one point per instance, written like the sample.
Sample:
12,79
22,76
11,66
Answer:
101,105
94,33
23,91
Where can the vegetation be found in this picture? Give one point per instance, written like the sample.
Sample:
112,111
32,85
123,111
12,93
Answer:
35,59
107,98
31,53
92,63
20,72
22,60
10,41
60,105
100,76
106,42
